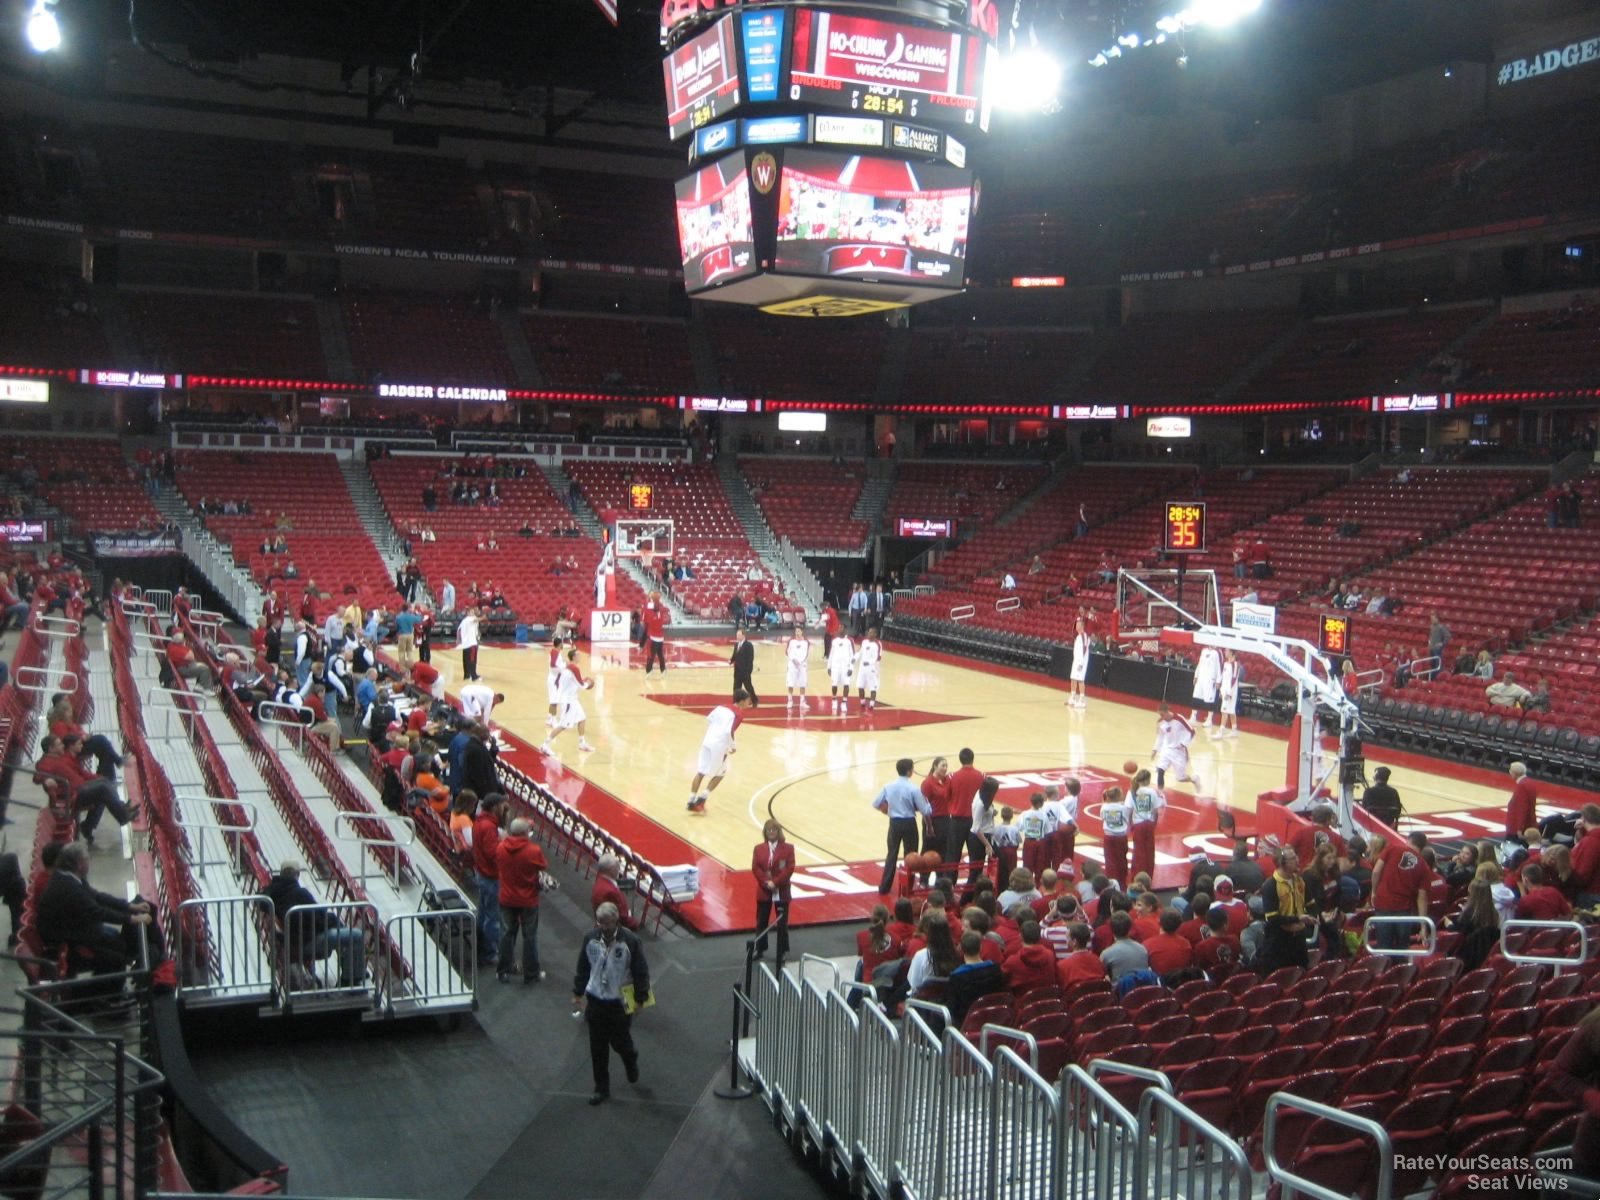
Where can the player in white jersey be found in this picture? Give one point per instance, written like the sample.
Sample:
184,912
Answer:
868,662
1207,675
712,763
841,665
552,682
798,651
1145,804
570,686
1171,752
1232,675
478,701
1079,671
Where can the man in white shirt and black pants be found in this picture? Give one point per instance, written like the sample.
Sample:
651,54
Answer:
610,958
467,639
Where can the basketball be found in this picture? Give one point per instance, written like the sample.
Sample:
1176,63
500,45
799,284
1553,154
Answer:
913,862
931,859
1130,767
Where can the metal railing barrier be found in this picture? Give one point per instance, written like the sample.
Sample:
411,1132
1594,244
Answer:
1008,604
43,681
764,996
1024,1118
840,1081
963,612
169,702
161,600
276,716
919,1149
1518,955
876,1124
1298,1185
236,959
785,1065
1101,1067
440,950
811,1085
1005,1033
968,1086
1098,1142
1405,928
346,829
308,939
59,629
203,817
1183,1155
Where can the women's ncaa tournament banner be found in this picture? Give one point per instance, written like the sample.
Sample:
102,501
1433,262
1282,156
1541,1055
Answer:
134,544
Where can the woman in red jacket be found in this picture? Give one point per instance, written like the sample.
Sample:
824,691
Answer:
772,863
878,945
522,865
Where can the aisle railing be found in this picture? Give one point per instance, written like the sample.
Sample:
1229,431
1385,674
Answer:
904,1110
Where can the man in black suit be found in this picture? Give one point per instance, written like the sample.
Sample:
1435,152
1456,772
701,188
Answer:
101,930
744,665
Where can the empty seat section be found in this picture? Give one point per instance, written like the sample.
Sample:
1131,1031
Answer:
809,502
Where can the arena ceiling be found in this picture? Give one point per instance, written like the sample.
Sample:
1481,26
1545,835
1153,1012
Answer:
1279,61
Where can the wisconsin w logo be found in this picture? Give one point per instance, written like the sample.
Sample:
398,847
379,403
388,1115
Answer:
764,171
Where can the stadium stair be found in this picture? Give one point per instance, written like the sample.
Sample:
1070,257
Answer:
369,507
875,493
797,585
892,372
335,341
515,336
211,558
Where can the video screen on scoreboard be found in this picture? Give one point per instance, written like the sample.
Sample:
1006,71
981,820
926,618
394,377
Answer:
714,227
882,68
855,216
702,79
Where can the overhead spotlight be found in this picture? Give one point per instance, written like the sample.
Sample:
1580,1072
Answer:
1030,81
1130,40
44,32
1099,60
1183,62
1222,12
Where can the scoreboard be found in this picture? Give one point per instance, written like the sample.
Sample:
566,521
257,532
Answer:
1183,530
821,60
1333,634
888,69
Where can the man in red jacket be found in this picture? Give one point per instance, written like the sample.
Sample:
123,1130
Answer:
521,865
1170,952
1522,808
1218,953
1401,883
89,794
1033,965
1540,901
772,863
606,891
655,619
1586,857
1081,965
486,863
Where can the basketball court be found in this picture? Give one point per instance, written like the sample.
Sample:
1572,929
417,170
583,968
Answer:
818,773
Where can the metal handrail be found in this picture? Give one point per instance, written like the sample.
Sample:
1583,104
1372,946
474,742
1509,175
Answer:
831,966
293,935
1298,1185
1541,959
346,821
57,628
1110,1066
42,680
1010,1033
1200,1146
201,825
1429,929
